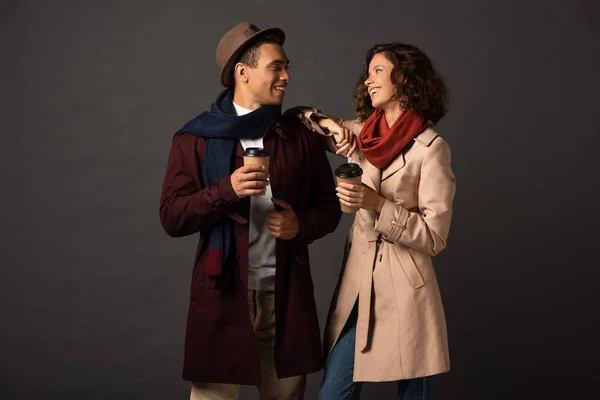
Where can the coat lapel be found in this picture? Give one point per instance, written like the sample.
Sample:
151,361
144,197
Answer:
371,175
394,166
424,138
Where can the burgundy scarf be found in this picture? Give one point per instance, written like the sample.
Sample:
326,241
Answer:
381,144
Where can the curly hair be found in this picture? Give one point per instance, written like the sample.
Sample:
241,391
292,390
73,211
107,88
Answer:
418,84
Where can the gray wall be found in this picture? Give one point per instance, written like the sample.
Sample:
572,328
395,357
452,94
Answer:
94,293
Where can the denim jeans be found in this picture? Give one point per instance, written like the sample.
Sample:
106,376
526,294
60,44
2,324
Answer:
337,382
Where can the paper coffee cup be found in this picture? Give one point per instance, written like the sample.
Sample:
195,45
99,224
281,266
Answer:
348,173
257,155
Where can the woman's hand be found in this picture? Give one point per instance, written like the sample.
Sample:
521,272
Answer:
345,140
360,196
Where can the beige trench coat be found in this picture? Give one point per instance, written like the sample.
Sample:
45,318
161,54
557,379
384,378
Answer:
401,327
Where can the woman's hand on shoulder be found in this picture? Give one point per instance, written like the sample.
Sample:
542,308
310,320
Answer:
345,139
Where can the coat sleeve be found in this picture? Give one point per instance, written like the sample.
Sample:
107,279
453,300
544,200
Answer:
309,117
323,211
186,208
427,229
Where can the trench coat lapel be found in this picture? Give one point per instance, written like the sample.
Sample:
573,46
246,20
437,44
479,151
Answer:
394,166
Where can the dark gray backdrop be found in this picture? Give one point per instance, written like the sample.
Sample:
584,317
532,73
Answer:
94,293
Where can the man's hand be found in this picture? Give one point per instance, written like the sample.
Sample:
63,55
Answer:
283,224
345,140
250,180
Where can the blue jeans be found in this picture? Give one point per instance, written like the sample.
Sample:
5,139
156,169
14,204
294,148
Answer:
338,385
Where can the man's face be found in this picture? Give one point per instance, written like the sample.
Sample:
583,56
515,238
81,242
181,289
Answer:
267,82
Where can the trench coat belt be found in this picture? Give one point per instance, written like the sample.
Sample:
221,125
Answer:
363,323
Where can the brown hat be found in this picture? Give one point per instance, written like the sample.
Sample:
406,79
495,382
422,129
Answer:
233,43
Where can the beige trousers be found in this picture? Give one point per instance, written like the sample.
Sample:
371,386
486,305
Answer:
262,314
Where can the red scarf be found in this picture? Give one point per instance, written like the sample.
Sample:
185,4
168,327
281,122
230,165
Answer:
381,144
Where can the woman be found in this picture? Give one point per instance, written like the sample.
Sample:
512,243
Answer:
386,321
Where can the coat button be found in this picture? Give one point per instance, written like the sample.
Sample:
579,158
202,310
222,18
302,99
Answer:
237,256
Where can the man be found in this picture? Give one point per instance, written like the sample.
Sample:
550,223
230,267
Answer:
252,317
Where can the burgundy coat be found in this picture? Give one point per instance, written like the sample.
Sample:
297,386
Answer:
219,341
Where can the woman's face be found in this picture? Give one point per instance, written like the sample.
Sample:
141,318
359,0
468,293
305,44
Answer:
379,83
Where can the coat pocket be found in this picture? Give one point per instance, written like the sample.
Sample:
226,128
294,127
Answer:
301,253
198,284
409,267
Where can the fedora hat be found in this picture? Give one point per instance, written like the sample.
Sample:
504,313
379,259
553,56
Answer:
233,43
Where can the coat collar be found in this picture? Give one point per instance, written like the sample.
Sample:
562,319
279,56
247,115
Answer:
281,128
427,136
424,138
373,176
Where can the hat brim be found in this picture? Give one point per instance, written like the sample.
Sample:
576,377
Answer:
227,71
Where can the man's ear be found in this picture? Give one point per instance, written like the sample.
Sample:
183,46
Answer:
240,72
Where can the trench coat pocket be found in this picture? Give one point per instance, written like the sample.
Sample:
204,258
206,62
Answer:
409,267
